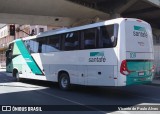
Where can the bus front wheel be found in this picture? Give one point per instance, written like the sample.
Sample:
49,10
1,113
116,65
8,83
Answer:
16,75
64,81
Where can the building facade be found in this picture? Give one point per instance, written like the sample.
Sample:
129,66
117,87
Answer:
25,30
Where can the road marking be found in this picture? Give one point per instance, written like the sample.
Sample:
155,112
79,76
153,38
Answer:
77,103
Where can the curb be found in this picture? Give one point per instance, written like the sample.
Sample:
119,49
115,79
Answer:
154,84
3,71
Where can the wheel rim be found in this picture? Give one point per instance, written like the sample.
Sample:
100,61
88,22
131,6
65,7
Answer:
64,82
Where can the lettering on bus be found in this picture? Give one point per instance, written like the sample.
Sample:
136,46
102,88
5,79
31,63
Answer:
97,57
140,31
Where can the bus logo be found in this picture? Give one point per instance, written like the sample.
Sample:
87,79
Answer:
138,28
140,32
97,57
93,54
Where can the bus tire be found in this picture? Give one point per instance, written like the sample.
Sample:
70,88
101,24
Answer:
16,75
64,81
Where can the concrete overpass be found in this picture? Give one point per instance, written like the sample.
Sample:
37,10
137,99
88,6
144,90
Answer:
47,12
72,12
148,10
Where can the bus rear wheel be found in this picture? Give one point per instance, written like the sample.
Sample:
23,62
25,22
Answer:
64,81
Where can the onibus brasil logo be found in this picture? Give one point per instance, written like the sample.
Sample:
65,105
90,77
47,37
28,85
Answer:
97,57
140,31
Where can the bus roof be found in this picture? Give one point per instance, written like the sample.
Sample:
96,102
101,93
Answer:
66,30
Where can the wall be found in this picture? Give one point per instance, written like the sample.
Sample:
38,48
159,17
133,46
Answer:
156,41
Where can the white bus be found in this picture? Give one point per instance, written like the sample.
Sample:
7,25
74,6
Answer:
116,52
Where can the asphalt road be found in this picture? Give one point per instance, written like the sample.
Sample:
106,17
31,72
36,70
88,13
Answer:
31,92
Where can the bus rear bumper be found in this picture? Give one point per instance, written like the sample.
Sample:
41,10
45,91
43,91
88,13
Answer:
138,80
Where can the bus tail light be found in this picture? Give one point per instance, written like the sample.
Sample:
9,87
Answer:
124,70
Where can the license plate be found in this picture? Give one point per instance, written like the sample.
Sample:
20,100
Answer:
141,74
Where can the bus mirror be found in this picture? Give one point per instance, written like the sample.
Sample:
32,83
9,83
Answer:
7,52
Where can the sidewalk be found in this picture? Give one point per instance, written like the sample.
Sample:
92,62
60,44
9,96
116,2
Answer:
156,81
2,70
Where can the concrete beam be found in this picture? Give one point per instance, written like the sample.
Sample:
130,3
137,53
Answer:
142,11
154,2
35,20
124,7
45,9
114,15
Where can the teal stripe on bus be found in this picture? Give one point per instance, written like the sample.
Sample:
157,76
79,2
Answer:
28,58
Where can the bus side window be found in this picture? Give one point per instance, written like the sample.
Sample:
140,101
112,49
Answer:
76,40
68,44
27,43
90,39
105,37
71,41
42,45
108,36
54,43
